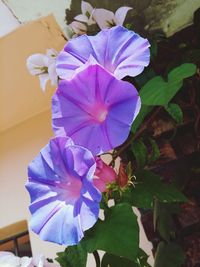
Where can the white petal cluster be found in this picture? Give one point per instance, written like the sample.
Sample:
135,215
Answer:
43,66
8,259
102,17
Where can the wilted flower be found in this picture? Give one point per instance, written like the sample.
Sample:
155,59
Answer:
107,19
95,109
43,66
104,175
64,201
87,13
122,177
120,51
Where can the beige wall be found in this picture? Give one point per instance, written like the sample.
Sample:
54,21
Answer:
18,146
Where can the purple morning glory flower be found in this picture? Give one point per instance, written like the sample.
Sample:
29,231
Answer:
64,201
95,109
120,51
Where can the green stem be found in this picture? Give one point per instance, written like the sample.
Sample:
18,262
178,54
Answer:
132,137
97,258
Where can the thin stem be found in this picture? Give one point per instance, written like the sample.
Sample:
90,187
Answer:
135,136
97,258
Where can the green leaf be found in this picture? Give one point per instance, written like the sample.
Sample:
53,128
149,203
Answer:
73,256
155,153
110,260
144,111
140,153
169,255
183,71
157,92
149,186
118,234
175,111
144,77
154,92
163,220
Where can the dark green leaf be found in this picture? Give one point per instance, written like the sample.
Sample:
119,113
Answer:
169,255
155,153
73,256
118,234
149,186
163,221
140,117
154,48
144,77
175,111
110,260
140,153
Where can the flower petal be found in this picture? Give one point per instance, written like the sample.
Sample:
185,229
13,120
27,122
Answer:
104,18
120,14
83,105
78,27
64,201
35,62
120,51
86,8
81,18
43,80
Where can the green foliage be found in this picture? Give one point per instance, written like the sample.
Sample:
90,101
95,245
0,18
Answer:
183,71
118,234
144,111
155,153
163,220
110,260
169,255
73,256
147,188
140,152
158,92
175,111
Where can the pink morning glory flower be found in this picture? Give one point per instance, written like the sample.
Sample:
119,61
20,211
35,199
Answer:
118,50
95,109
107,19
104,175
64,201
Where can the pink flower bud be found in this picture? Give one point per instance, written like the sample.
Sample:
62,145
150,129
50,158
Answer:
104,175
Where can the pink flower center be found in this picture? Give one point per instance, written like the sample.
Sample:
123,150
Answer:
99,112
71,189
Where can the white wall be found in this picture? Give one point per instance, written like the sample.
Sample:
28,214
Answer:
7,21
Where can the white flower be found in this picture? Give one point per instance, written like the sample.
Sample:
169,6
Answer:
87,13
43,66
78,28
107,19
8,259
